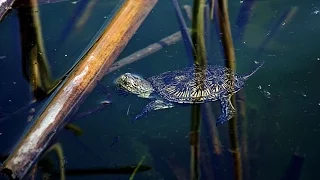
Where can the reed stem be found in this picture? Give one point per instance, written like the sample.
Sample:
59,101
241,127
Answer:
226,37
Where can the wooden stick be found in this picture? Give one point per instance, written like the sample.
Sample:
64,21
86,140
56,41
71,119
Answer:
78,84
152,48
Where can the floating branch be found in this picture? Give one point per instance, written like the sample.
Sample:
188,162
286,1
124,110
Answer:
146,51
78,85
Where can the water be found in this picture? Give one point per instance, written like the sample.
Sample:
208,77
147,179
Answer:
282,98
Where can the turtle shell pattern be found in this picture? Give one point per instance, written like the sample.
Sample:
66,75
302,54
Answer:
180,86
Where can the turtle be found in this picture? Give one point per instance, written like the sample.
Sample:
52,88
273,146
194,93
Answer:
182,87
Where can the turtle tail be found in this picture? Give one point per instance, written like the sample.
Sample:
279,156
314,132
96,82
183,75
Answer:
249,75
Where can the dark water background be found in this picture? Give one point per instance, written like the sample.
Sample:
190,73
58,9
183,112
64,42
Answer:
282,98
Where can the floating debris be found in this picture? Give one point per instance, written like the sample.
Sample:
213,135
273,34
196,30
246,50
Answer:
2,57
278,126
128,109
105,102
267,94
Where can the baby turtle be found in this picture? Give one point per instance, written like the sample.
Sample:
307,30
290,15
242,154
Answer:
182,86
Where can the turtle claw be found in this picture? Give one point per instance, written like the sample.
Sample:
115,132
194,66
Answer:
139,116
227,111
153,105
222,119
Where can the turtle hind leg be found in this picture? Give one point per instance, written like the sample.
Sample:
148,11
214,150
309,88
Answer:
153,105
227,110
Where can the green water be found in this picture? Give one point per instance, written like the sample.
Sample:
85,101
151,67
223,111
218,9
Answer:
282,98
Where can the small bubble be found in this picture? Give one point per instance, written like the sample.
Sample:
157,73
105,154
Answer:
303,94
259,87
318,59
266,93
65,55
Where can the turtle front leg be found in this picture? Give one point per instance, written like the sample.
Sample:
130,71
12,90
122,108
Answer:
154,105
227,110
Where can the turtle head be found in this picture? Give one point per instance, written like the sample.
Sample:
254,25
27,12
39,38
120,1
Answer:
134,84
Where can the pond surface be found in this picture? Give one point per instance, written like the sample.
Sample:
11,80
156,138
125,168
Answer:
282,101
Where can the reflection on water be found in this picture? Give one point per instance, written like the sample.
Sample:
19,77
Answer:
282,101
